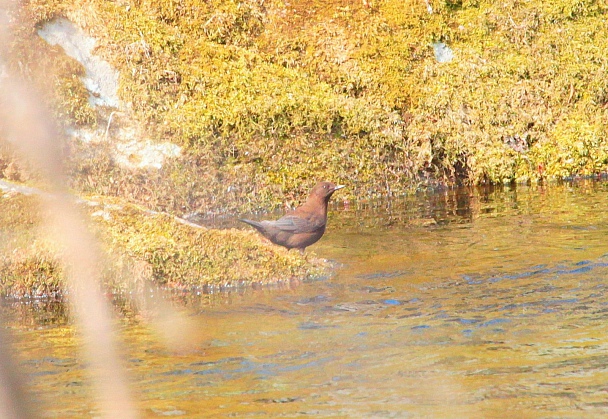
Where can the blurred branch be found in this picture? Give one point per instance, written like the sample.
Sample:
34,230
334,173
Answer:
25,123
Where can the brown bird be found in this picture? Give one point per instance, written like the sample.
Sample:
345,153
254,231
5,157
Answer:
303,226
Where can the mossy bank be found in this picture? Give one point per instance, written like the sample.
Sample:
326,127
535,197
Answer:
268,97
140,249
264,98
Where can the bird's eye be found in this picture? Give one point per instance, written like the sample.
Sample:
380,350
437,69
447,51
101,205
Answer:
324,186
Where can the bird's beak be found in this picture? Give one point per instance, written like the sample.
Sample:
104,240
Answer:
338,187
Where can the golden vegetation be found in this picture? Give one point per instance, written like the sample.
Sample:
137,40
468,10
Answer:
182,256
140,247
28,264
267,97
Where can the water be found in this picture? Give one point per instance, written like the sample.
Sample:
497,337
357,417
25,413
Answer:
466,303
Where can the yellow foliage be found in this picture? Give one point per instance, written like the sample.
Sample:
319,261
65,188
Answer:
269,96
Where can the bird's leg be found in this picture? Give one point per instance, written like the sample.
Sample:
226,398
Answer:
301,251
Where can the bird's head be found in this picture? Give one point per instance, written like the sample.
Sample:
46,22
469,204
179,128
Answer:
324,190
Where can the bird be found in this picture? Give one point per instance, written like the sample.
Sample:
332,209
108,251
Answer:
301,227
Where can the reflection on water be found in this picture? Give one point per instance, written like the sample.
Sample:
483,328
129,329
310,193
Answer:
462,303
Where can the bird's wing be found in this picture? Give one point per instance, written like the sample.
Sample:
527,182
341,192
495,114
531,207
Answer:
296,224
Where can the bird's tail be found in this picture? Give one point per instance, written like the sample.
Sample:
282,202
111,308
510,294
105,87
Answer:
254,224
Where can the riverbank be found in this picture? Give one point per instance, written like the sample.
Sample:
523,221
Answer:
188,107
266,98
141,249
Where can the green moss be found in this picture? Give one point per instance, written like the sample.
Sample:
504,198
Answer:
269,97
183,256
140,247
581,150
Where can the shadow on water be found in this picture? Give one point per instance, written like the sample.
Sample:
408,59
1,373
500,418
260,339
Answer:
456,303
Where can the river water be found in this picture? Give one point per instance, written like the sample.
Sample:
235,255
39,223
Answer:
467,303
